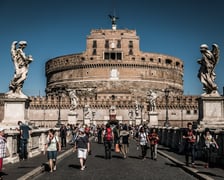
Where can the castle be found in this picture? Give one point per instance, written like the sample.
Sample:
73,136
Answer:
113,73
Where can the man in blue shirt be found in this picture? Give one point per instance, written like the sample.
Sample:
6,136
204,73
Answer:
24,136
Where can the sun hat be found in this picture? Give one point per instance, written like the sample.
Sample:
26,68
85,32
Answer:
81,130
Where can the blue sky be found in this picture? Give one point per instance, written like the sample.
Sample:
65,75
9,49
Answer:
58,27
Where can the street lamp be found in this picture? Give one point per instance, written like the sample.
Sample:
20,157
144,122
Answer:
142,107
93,116
167,124
59,93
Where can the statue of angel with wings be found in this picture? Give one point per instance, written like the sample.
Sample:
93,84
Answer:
206,72
74,99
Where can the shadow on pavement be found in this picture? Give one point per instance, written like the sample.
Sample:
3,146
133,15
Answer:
75,166
100,156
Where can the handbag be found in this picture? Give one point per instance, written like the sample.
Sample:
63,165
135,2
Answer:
57,144
117,149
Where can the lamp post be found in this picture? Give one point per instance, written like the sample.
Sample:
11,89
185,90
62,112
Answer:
167,124
59,94
142,107
93,116
84,109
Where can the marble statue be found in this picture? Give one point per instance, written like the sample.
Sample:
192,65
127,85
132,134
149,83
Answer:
74,99
206,72
21,64
131,114
87,111
113,19
152,100
136,108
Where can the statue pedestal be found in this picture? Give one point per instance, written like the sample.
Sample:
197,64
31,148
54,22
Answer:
15,109
153,118
211,112
87,120
72,117
138,120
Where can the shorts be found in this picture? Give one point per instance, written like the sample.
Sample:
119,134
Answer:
52,155
82,153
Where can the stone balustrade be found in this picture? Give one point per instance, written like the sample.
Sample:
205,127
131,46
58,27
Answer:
35,145
172,138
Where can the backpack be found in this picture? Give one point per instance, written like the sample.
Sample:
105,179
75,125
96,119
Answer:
108,134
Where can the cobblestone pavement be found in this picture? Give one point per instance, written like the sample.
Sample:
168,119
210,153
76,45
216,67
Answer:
117,168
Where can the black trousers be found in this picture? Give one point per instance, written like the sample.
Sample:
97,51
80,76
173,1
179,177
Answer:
108,146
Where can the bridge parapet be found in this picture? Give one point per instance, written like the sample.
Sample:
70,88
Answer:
172,137
35,145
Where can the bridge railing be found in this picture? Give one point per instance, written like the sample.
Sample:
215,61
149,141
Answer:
173,138
35,145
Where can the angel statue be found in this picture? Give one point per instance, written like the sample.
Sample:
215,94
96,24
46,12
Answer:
113,20
87,111
74,99
206,72
21,63
136,108
151,97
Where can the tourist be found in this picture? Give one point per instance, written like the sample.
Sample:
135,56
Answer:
116,135
82,145
210,144
99,134
143,142
124,141
108,140
2,149
153,139
52,146
190,139
24,135
63,135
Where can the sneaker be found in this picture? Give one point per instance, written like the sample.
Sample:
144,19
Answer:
82,168
55,168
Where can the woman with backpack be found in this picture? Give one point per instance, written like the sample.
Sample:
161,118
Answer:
108,137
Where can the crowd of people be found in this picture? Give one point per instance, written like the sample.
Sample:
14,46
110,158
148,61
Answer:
115,137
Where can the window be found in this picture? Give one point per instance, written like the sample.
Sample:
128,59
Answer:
130,44
107,45
113,55
106,55
119,44
168,61
94,44
130,52
119,57
94,51
188,112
